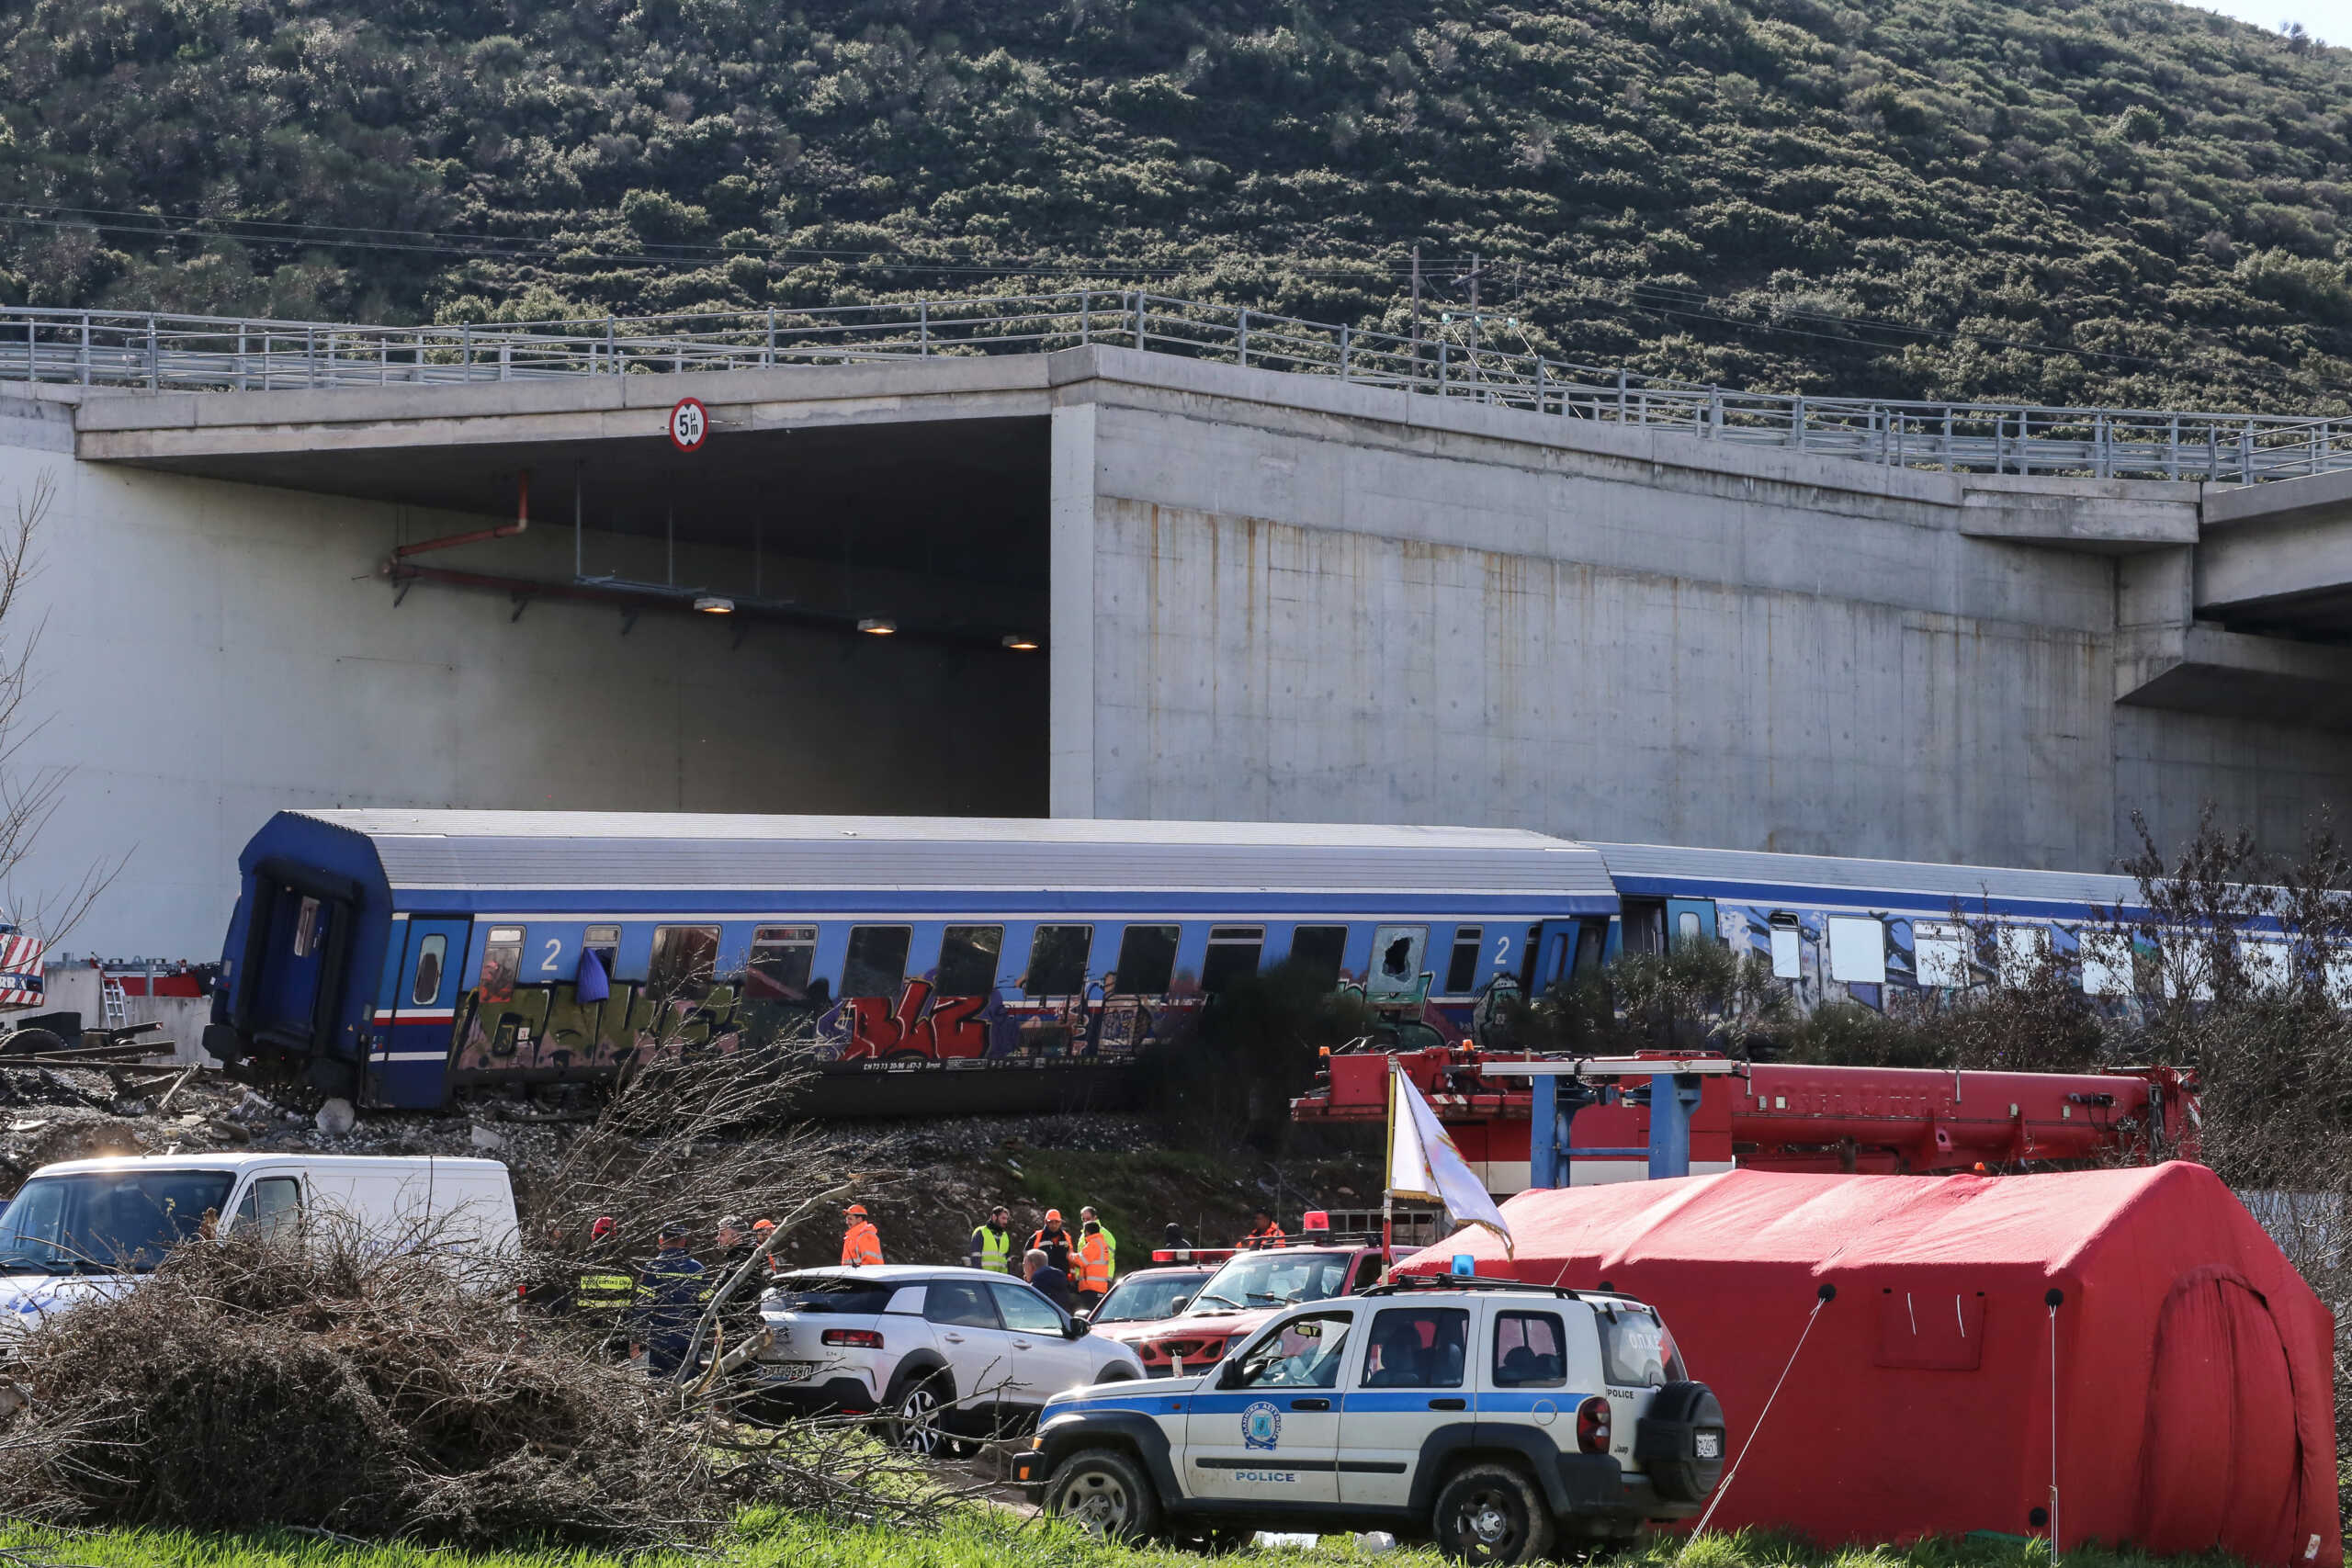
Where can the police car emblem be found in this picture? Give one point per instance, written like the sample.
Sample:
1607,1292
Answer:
1262,1425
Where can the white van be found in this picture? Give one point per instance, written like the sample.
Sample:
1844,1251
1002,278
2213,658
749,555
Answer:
80,1228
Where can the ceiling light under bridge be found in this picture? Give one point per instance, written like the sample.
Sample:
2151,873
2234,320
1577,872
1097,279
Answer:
712,604
878,625
1019,642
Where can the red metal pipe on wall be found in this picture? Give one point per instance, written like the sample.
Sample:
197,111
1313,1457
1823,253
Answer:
504,531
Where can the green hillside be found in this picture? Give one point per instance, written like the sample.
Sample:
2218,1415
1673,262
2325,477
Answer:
2116,200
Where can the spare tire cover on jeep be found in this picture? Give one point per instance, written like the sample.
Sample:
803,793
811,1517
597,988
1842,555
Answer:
1680,1444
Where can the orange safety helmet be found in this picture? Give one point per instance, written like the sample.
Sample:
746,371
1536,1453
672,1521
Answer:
855,1210
1053,1216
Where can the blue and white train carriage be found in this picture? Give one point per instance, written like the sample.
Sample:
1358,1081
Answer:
397,957
1838,928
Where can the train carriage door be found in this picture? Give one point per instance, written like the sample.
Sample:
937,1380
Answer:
295,962
409,1063
1689,921
1554,946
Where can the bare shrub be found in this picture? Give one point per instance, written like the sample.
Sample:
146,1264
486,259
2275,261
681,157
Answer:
337,1385
688,1136
1696,996
372,1385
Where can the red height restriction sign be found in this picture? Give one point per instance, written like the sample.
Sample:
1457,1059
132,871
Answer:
689,424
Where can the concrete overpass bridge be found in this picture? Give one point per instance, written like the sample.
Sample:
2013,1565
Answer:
997,559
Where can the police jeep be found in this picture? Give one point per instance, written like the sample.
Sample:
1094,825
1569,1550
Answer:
1497,1418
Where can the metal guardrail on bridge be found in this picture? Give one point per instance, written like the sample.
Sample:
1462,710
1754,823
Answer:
190,352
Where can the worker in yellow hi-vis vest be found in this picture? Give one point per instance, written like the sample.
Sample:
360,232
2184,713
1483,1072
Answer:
991,1246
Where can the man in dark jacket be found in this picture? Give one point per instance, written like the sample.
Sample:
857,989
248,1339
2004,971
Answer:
1053,1240
1050,1281
669,1304
736,1246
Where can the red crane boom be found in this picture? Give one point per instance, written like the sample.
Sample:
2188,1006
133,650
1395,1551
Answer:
1786,1116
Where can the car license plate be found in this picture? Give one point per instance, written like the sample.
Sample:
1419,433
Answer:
795,1371
1708,1445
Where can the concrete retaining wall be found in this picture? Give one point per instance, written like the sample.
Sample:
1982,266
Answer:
1478,615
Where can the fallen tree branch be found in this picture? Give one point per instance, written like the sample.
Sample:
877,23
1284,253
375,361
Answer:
760,1255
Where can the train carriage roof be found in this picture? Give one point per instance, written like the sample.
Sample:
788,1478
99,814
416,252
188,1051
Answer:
1737,875
453,850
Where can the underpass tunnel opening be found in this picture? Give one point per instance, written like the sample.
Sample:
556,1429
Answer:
836,619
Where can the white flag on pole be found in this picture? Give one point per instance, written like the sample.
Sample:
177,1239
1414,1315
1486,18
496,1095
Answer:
1424,1164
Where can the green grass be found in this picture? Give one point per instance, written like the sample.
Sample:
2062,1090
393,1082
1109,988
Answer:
992,1542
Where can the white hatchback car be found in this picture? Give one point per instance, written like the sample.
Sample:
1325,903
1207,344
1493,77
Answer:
1494,1417
945,1354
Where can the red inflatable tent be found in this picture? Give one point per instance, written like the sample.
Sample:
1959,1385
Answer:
2195,1387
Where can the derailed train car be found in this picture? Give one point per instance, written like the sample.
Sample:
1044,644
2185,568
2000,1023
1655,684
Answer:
401,958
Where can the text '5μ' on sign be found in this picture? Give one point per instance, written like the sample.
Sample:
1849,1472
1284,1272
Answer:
689,424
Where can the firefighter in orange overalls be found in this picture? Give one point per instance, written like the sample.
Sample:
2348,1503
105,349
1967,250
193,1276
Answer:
1093,1259
861,1243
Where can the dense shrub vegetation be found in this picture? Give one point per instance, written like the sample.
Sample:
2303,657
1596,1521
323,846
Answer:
2122,200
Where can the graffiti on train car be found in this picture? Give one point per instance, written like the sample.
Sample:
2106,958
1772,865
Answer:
520,1028
506,1027
1005,1027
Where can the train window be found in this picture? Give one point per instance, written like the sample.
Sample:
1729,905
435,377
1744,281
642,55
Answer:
781,959
306,929
876,964
968,960
1319,950
1643,925
501,960
1592,947
1461,969
1057,960
430,953
604,941
1396,960
1147,960
2107,964
1788,949
686,959
1857,949
1233,955
1940,953
2269,965
1686,926
2023,950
